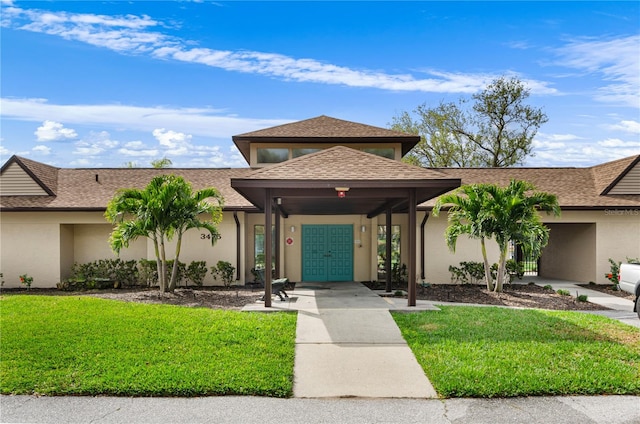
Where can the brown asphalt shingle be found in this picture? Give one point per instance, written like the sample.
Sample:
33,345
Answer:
343,163
324,127
78,188
575,187
604,175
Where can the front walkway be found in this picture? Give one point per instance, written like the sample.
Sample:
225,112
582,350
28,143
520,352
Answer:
348,345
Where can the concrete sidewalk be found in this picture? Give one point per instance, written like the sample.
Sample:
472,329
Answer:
348,345
247,409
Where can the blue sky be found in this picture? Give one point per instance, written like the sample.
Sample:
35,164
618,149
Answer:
100,84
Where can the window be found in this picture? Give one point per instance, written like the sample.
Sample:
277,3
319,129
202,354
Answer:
301,152
258,243
388,153
272,155
382,248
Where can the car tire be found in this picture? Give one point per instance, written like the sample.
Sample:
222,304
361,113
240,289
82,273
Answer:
638,306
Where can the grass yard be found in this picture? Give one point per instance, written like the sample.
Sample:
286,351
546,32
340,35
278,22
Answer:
63,345
497,352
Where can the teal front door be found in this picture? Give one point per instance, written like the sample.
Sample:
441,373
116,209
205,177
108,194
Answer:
327,253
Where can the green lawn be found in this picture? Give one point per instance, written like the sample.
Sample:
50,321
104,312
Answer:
497,352
59,345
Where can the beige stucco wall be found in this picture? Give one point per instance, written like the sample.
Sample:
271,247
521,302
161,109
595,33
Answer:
45,245
438,257
571,252
576,252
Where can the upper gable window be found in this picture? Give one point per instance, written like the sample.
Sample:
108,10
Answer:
272,155
296,153
388,153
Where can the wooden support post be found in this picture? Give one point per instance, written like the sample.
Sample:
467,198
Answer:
411,286
268,207
387,259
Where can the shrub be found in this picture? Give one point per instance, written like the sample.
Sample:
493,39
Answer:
563,292
614,271
196,271
513,269
148,272
548,287
26,280
223,270
399,274
468,272
582,298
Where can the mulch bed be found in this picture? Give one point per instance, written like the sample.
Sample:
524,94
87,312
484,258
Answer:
516,295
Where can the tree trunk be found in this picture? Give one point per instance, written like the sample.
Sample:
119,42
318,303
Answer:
501,268
174,271
162,277
487,268
158,260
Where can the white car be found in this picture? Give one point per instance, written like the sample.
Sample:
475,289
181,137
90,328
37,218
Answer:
629,281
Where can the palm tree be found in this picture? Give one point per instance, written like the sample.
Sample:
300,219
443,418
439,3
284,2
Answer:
167,207
505,214
516,217
466,217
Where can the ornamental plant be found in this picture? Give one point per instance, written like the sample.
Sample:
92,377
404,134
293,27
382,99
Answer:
26,280
223,271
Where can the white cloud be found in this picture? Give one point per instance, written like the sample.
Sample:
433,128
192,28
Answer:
82,162
136,152
133,145
88,149
632,127
616,142
171,139
198,121
132,35
43,150
54,131
615,59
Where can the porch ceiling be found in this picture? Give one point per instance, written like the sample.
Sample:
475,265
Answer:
313,197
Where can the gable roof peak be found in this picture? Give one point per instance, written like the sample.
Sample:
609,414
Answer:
46,176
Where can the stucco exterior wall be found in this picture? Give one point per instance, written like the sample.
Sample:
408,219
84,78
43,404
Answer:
571,252
45,245
438,257
31,247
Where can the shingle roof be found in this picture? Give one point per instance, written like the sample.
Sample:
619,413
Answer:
325,129
92,188
607,174
575,187
344,163
45,175
78,188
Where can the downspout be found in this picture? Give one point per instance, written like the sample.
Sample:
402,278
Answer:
235,217
422,248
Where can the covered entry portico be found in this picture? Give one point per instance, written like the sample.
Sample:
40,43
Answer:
342,181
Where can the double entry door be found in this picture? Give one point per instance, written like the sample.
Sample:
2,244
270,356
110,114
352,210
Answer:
327,252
